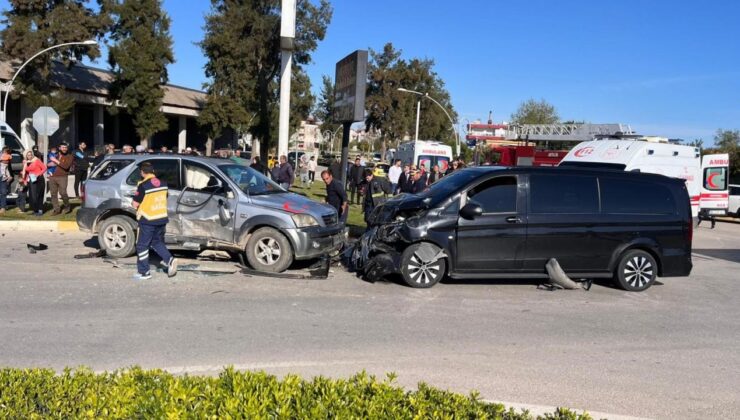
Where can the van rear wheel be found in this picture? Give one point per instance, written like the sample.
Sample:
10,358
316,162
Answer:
117,236
637,271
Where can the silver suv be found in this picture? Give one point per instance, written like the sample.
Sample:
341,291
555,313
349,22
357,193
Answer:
212,204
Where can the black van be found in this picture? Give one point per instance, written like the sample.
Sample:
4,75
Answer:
497,222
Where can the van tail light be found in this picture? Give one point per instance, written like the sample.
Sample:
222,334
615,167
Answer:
82,193
690,233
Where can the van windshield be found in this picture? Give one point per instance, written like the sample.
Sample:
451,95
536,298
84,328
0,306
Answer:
251,181
442,189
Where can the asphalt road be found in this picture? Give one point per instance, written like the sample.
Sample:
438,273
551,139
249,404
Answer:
669,352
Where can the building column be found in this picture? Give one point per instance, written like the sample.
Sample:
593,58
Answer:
117,130
209,146
182,133
99,133
72,140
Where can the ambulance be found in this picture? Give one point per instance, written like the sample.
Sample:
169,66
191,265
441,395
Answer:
706,180
426,153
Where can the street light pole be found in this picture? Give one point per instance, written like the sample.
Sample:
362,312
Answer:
418,111
8,85
426,95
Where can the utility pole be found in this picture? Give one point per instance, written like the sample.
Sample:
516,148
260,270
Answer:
287,44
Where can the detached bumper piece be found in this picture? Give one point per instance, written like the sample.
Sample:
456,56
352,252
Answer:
318,271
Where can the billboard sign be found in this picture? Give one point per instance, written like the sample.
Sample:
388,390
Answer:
349,88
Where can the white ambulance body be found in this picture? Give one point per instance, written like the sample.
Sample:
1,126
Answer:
674,160
425,153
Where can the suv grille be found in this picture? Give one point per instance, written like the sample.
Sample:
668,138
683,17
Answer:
329,219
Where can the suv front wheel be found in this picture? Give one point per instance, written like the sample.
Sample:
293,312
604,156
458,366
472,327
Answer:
117,236
269,250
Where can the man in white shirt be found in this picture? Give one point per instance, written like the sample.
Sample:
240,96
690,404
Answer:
394,173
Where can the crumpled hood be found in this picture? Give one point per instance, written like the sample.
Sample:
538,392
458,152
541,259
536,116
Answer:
293,203
387,212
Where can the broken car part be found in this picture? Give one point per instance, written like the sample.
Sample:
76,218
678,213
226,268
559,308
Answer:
40,247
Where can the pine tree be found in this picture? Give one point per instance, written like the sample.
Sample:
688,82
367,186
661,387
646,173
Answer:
242,43
31,26
141,51
325,109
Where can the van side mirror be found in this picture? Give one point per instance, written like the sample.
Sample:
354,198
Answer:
470,211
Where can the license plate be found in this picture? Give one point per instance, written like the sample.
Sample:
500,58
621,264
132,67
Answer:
716,212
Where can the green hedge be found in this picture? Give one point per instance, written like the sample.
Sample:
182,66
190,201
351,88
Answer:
155,394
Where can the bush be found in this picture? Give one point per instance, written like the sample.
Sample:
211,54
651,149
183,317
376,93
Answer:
154,394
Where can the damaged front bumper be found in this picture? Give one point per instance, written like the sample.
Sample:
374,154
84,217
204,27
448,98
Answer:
379,252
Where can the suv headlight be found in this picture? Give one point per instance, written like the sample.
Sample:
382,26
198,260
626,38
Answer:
304,220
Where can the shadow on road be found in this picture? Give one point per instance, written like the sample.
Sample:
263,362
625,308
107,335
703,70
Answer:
732,255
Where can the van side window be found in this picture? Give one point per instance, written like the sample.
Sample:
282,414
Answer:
620,196
168,170
497,195
563,194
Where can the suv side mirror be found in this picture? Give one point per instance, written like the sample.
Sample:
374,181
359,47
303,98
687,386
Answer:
470,211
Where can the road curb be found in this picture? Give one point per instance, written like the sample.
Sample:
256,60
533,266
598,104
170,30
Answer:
541,410
38,225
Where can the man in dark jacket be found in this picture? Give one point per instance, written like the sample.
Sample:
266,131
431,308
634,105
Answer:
376,191
354,180
419,182
405,181
82,161
336,196
285,174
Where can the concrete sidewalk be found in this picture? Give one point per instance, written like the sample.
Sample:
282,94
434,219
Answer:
38,225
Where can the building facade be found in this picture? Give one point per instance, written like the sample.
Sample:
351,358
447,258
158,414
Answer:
94,120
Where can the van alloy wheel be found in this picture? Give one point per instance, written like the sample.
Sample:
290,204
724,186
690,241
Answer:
419,274
637,270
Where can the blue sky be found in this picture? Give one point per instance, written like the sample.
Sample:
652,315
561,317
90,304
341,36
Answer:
668,68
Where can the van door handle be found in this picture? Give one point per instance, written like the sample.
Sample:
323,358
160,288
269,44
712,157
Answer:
513,219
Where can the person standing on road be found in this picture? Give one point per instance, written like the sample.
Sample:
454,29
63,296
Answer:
150,202
394,176
59,179
82,164
704,215
336,196
33,174
376,191
285,173
5,178
354,180
311,170
434,175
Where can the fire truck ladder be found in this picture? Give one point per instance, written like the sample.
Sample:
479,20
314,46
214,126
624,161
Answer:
565,132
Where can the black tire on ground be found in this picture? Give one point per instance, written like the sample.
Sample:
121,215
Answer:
417,274
117,236
636,271
269,250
